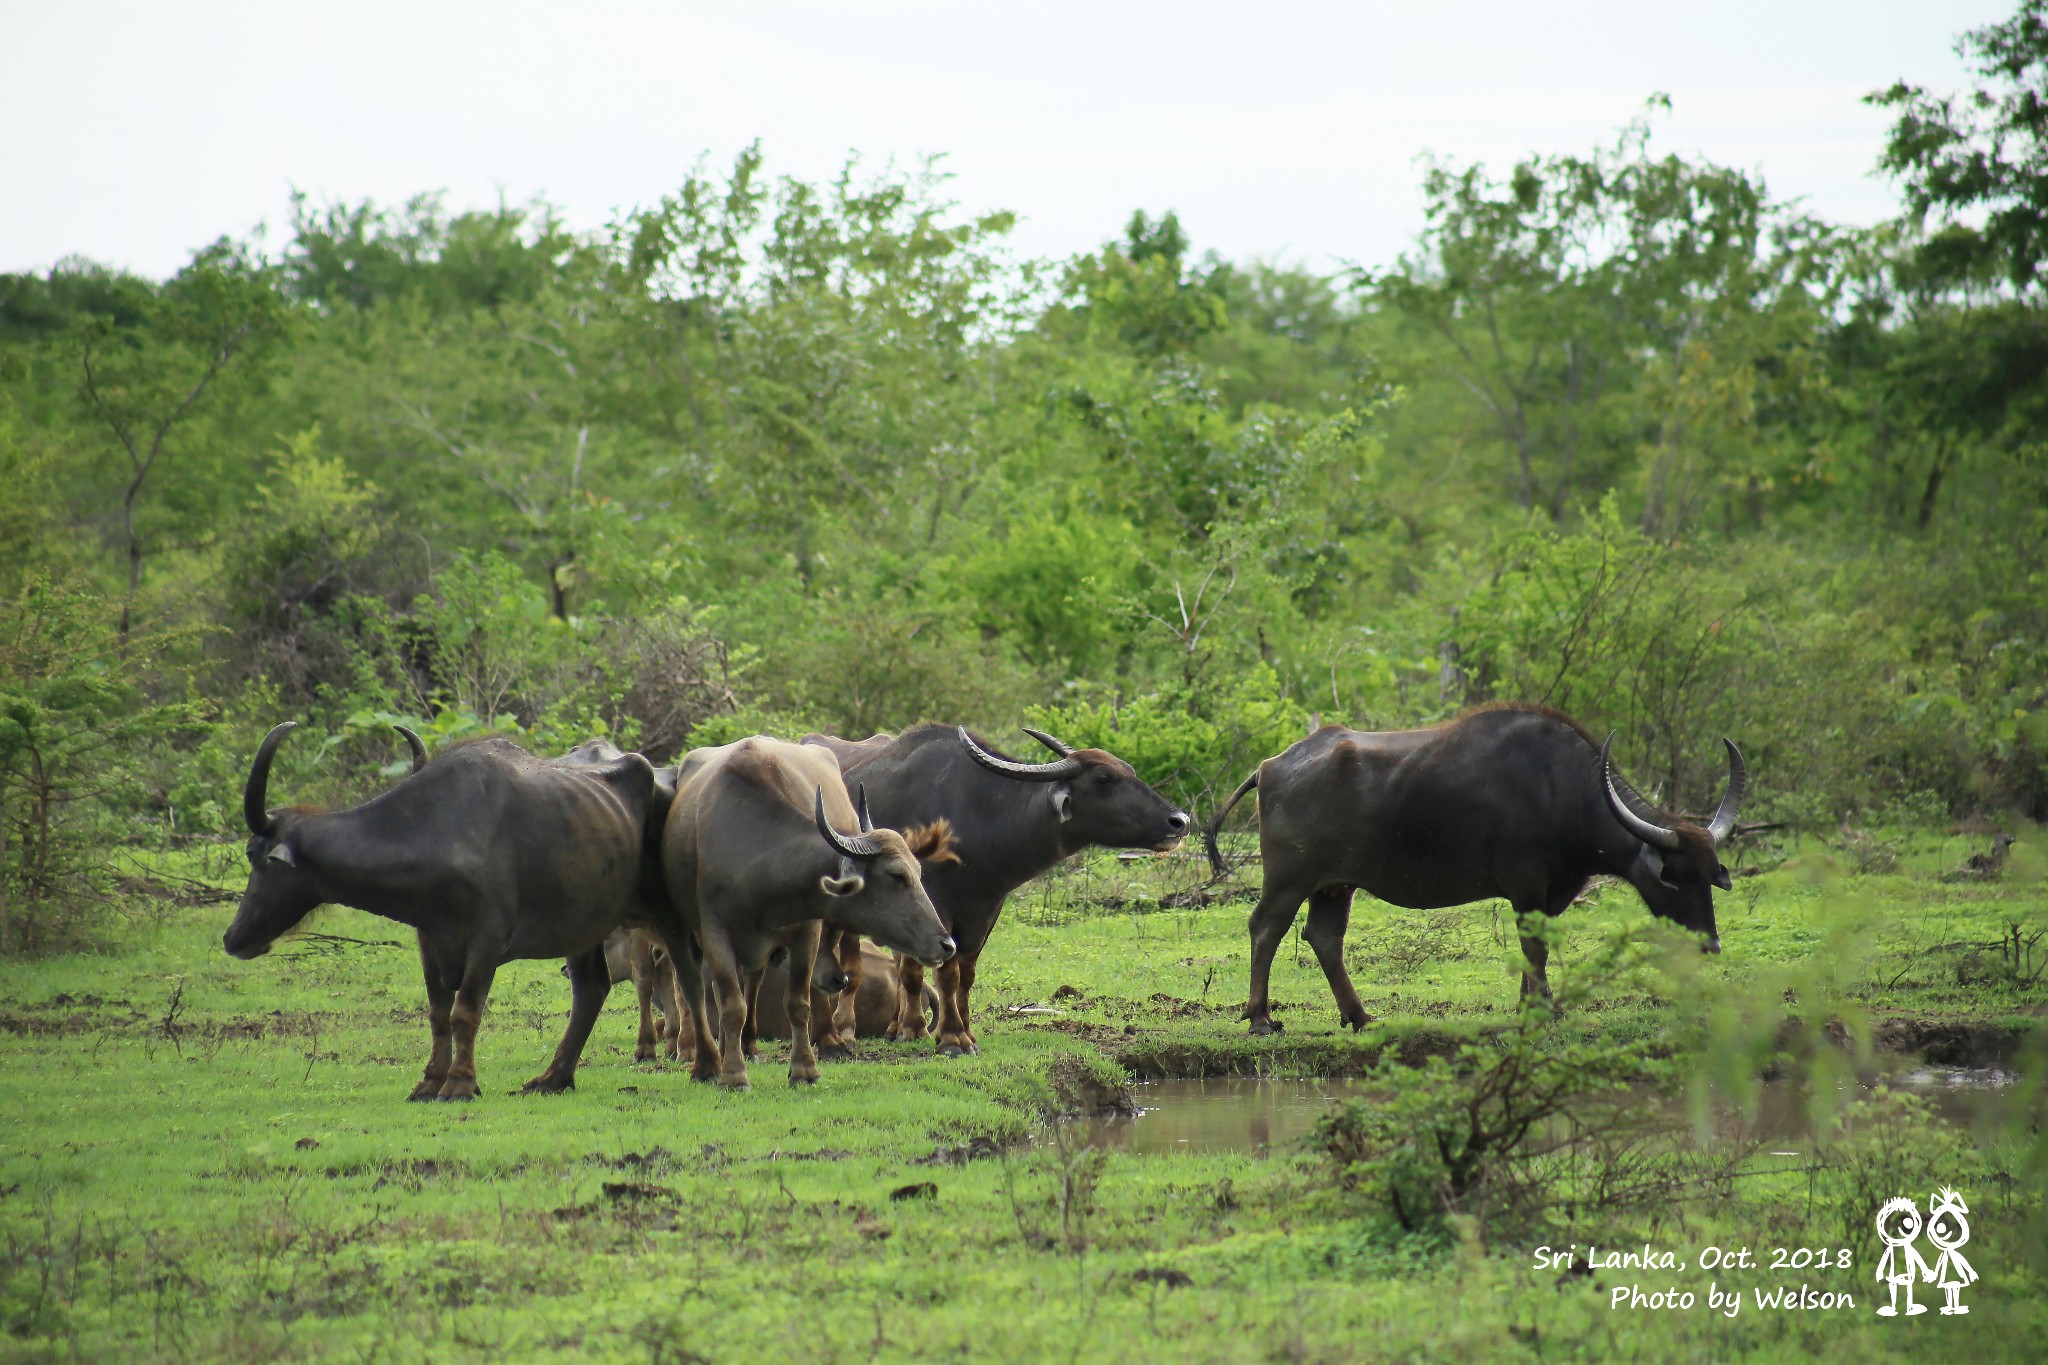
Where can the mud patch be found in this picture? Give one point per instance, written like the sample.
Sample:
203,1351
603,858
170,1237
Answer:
1944,1042
655,1160
1078,1087
1153,1060
975,1149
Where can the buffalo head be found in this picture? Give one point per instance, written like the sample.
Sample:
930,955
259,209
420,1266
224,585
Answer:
1098,794
1677,864
879,889
281,891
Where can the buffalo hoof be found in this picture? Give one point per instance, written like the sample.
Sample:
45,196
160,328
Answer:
959,1050
734,1083
428,1089
459,1088
1262,1027
1358,1022
835,1052
647,1052
809,1077
546,1084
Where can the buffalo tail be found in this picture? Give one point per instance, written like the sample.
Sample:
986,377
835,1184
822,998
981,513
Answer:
1209,834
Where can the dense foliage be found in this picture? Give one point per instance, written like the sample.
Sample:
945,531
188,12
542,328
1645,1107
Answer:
1622,433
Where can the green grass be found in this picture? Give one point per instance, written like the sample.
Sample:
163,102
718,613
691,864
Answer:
205,1159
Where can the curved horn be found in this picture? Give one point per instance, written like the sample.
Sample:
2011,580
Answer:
1635,824
867,820
861,847
1723,823
419,750
1058,746
255,809
1028,772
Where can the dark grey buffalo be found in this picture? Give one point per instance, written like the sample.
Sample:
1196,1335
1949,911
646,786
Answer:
491,855
762,848
1011,821
1511,801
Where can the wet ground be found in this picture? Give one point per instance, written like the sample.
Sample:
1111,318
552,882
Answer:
1247,1114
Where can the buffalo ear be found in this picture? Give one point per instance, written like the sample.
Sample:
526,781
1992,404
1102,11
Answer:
842,886
282,853
1063,802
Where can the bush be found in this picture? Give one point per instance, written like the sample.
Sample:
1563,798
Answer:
1489,1132
73,720
1194,746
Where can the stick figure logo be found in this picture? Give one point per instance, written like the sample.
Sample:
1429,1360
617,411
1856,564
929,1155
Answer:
1898,1224
1948,1227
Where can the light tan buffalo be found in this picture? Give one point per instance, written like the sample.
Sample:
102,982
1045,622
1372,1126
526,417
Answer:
762,849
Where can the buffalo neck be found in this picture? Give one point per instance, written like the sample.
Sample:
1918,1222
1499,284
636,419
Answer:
371,859
1008,830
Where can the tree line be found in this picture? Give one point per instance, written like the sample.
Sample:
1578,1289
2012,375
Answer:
1621,433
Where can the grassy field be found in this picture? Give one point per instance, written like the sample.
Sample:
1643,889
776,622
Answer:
205,1159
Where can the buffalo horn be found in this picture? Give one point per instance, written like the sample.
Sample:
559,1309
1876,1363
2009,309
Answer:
867,819
412,742
1723,823
1645,830
861,846
1068,766
255,808
1058,746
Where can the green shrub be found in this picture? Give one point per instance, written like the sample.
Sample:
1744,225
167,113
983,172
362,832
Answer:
74,719
1193,746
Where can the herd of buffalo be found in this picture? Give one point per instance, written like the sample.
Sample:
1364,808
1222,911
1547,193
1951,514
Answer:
754,870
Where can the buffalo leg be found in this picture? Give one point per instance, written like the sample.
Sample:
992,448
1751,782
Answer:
677,1013
910,1024
440,1002
1536,957
803,956
750,1033
728,988
590,981
470,999
841,1021
640,954
691,980
1329,915
968,962
1271,919
955,977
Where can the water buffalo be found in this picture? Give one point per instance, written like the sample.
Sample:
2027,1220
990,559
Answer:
491,855
757,855
877,999
1509,800
638,956
1011,821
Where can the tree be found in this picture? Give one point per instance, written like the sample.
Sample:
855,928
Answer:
1143,291
1554,288
1974,165
73,724
145,381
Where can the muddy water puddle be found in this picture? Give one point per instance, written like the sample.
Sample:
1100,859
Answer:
1250,1114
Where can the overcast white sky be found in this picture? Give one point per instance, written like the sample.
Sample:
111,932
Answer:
132,133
